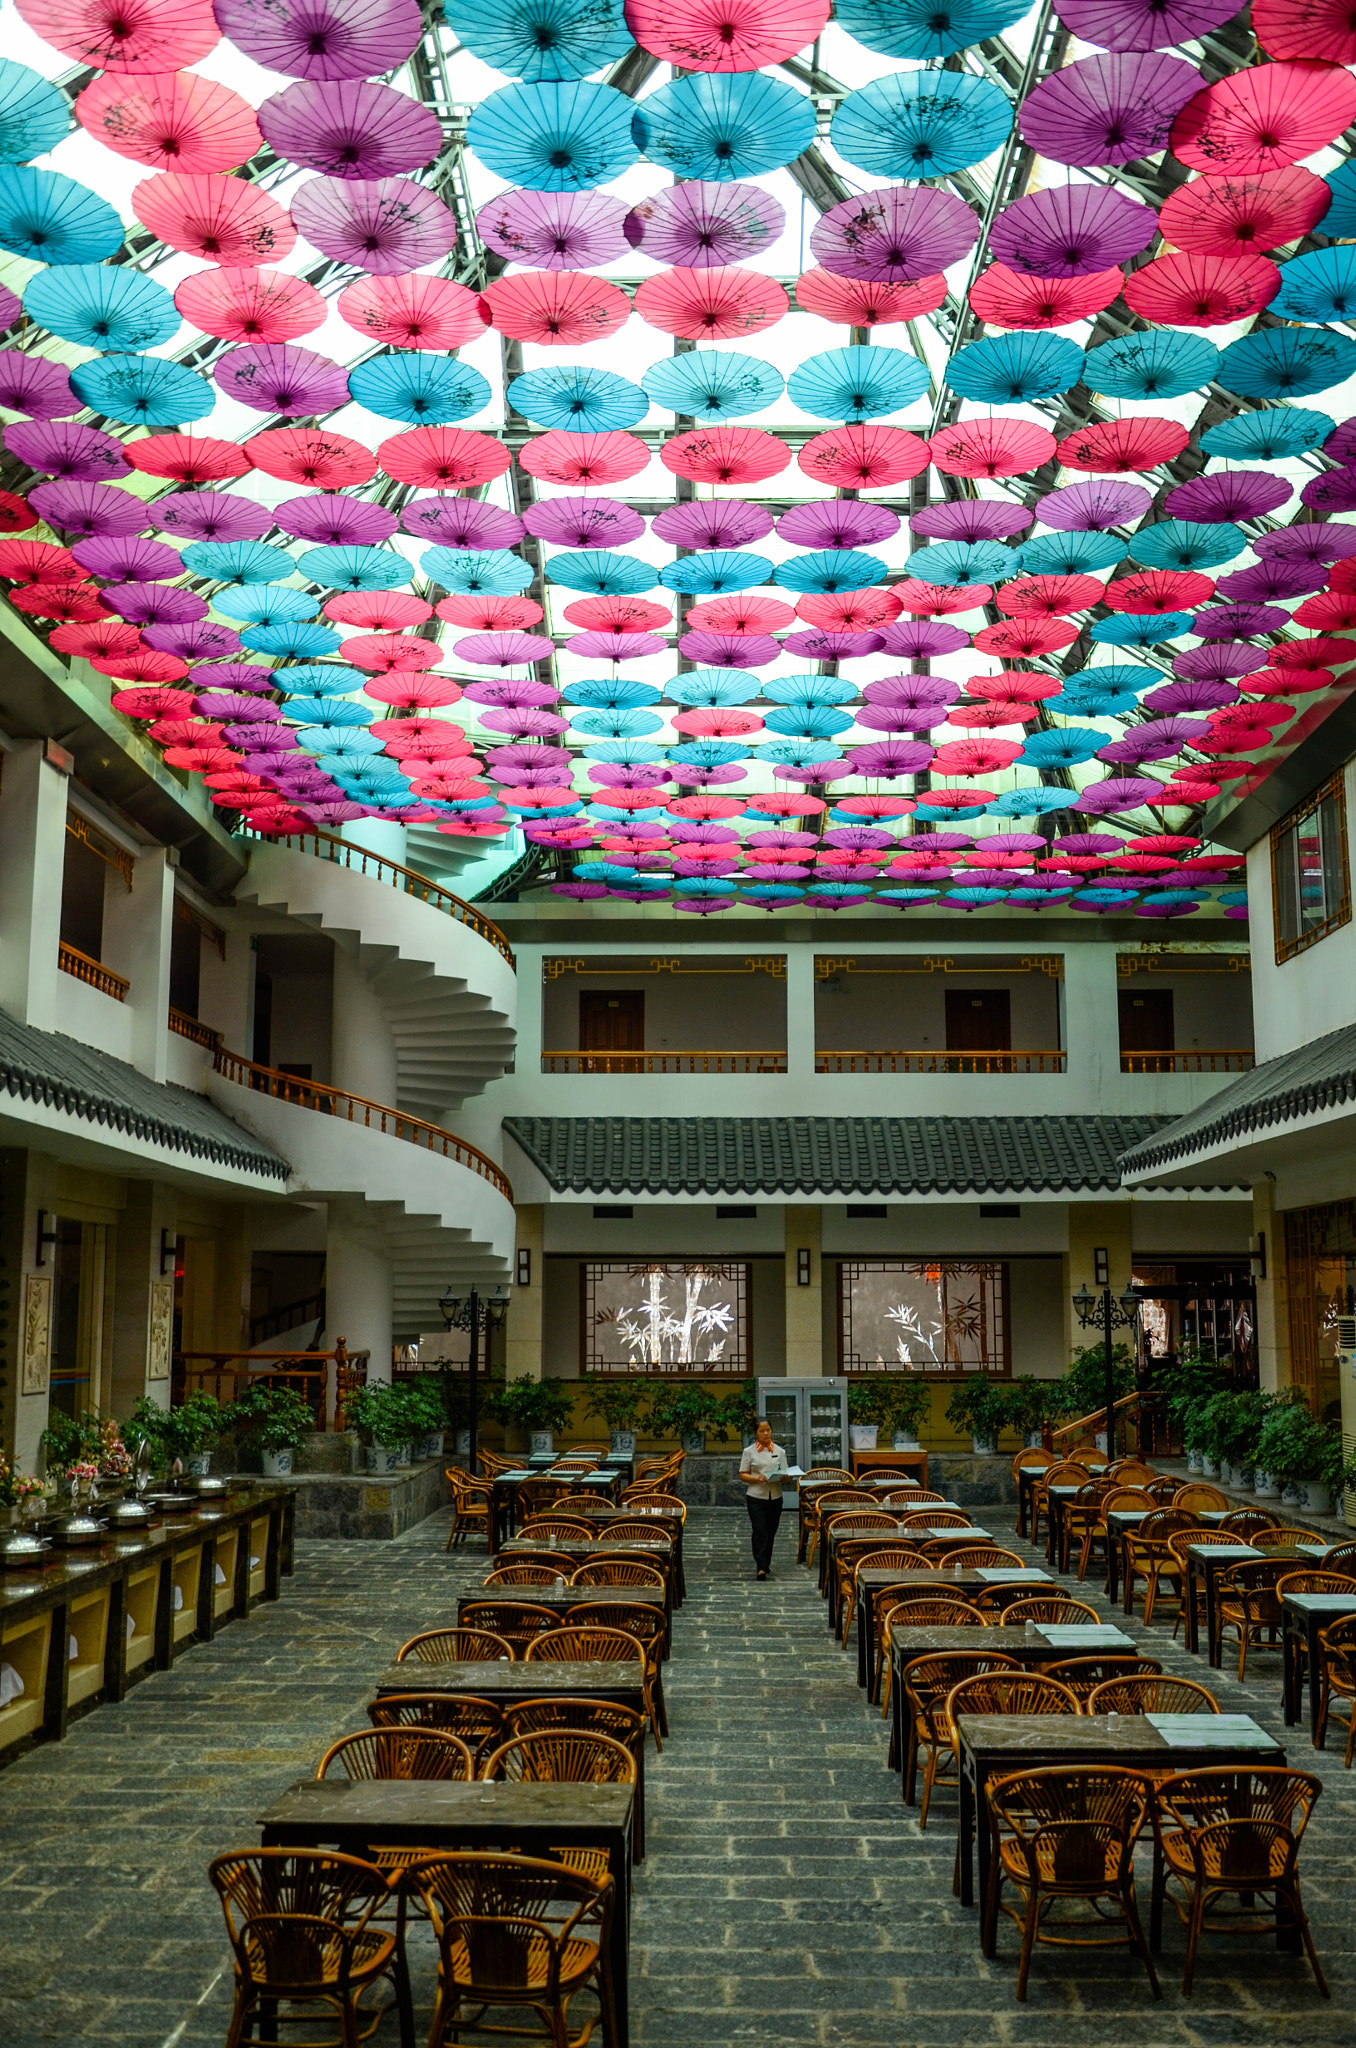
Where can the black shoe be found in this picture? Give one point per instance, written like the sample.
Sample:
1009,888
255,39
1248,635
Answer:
760,1575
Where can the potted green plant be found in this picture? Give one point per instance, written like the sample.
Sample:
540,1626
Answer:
1242,1417
689,1411
1293,1449
866,1412
428,1411
191,1429
275,1420
1081,1393
376,1416
618,1403
540,1407
68,1443
1028,1404
978,1408
740,1408
906,1398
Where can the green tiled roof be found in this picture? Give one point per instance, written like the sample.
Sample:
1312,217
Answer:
830,1155
78,1080
1317,1076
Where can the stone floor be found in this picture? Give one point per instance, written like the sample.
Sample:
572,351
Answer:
787,1895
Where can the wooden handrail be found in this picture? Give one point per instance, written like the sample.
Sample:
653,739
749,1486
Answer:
1219,1059
1097,1415
92,972
357,1109
191,1028
307,1372
345,854
608,1062
903,1060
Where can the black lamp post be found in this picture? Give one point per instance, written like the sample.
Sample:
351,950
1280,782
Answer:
469,1312
1113,1313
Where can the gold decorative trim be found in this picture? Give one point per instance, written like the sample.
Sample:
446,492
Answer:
107,850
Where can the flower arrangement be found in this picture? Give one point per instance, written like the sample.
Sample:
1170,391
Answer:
16,1488
114,1457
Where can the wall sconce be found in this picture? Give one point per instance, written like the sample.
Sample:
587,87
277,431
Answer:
1101,1267
1257,1257
46,1235
524,1265
168,1246
803,1268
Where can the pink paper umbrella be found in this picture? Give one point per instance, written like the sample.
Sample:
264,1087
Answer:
138,36
1143,24
710,523
1229,494
60,448
1244,213
1093,507
408,311
1008,298
867,457
178,121
554,230
443,458
1320,29
855,303
33,386
564,458
350,128
1108,109
971,519
224,220
332,520
593,646
725,35
729,650
703,223
1199,290
1071,230
127,558
711,305
274,377
838,523
378,611
725,455
244,303
323,38
461,523
210,515
1114,446
555,309
382,225
993,447
895,234
1264,118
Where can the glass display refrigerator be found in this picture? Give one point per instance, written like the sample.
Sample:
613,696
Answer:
809,1419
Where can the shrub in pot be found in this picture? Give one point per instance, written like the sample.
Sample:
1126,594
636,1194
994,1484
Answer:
1242,1417
274,1420
428,1413
740,1409
191,1429
866,1412
1303,1455
375,1413
540,1407
905,1398
1028,1405
619,1403
689,1412
68,1443
979,1408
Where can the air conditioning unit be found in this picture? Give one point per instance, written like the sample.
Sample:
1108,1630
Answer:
1346,1343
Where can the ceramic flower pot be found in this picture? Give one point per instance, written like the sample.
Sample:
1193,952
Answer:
693,1442
278,1464
382,1458
985,1447
862,1435
1317,1497
1032,1440
463,1443
1244,1476
1210,1468
199,1465
1291,1496
431,1446
1194,1461
1265,1486
902,1441
622,1442
405,1454
541,1443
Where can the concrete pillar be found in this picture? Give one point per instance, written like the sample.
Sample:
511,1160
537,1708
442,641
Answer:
804,1304
523,1325
1092,1045
1094,1226
800,1014
138,925
362,1050
32,862
143,1297
226,990
1273,1294
359,1294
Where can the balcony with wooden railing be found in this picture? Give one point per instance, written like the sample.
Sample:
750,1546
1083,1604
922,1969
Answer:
92,972
663,1062
1029,1060
192,1029
343,853
1207,1060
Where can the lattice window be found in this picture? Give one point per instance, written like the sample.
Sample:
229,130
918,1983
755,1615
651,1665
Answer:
923,1315
666,1316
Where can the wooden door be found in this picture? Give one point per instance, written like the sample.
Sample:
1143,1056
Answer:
1146,1020
611,1020
978,1020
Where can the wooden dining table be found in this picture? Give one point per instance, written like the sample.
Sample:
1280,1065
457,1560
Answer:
828,1574
604,1483
1204,1565
670,1520
1303,1618
873,1581
574,1551
358,1816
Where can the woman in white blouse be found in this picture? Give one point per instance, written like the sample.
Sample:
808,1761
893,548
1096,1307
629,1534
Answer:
760,1471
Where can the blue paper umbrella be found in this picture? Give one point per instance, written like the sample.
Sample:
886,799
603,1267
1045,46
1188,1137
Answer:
326,711
1064,749
1319,286
102,305
496,572
904,899
975,896
542,40
143,391
599,694
713,384
318,678
801,752
710,575
579,399
1163,364
770,894
1035,802
708,753
340,741
703,885
921,124
1011,369
617,724
1268,436
292,642
808,689
242,561
722,126
554,138
602,572
1070,554
52,219
853,384
34,116
1282,362
1187,544
1140,629
624,752
425,390
926,28
1120,679
831,569
356,568
807,707
1340,219
962,561
714,687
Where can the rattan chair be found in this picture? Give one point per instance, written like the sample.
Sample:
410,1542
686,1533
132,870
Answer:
1244,1523
594,1717
1055,1607
645,1624
516,1931
1277,1538
1196,1539
618,1640
827,1503
1247,1603
566,1528
405,1752
1315,1582
937,1518
1337,1679
968,1557
1341,1558
527,1574
298,1924
1033,1459
470,1508
817,1474
926,1610
1233,1833
1010,1692
646,1503
456,1646
901,1557
541,1496
1084,1524
1131,1472
1148,1557
1147,1694
910,1497
631,1529
1197,1497
1163,1490
1064,1472
566,1756
479,1723
928,1682
620,1571
516,1620
1068,1834
1083,1675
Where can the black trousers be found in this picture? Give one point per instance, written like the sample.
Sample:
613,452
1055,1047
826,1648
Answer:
764,1515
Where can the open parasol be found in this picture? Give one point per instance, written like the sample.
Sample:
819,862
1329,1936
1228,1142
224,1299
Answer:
1143,24
210,515
1013,369
377,611
173,122
544,39
442,458
1008,298
127,558
702,523
408,311
224,220
1114,447
382,225
51,219
555,309
241,303
992,447
854,384
1264,118
564,458
307,455
859,304
837,523
554,230
734,126
1281,362
323,38
971,519
583,522
420,388
35,387
725,455
1156,592
921,124
1199,290
350,128
1244,211
715,304
136,36
867,457
1108,109
710,385
701,224
725,35
1071,230
101,306
1093,507
276,377
554,137
895,234
63,448
332,520
1152,365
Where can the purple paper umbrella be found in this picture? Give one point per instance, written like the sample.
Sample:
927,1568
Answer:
971,519
231,675
729,650
901,715
1108,109
510,693
890,758
1011,842
1190,693
895,234
196,640
461,523
1147,744
918,693
816,646
1093,507
322,38
80,509
524,721
836,523
333,520
153,604
629,775
701,224
127,559
341,813
381,225
11,309
1117,793
1340,445
1318,545
277,377
711,523
1143,24
233,704
555,230
831,770
1088,843
502,650
350,128
583,522
920,639
1275,578
693,777
1335,491
1229,494
32,385
1239,621
1071,230
1220,660
210,515
616,646
60,448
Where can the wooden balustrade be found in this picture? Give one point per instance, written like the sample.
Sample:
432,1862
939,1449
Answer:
1213,1060
225,1374
663,1062
92,972
345,854
188,1027
1042,1060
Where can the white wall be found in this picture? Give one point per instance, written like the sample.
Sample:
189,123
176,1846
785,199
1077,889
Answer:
1314,993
